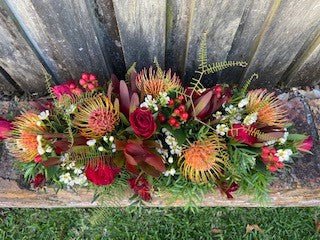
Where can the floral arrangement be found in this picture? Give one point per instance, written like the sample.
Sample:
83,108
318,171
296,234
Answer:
149,132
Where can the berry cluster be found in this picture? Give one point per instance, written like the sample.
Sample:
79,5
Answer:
89,81
178,112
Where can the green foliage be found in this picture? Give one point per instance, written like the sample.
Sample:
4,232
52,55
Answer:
219,66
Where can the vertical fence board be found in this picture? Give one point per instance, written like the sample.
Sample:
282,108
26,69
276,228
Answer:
220,19
6,86
16,56
63,33
307,70
178,16
107,28
285,37
246,38
142,30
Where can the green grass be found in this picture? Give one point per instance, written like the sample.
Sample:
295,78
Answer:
160,223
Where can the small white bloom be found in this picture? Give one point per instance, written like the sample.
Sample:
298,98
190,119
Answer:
113,146
40,149
101,149
172,171
114,150
222,129
77,171
71,109
243,103
111,138
44,115
65,178
271,142
170,160
105,138
39,138
284,154
218,114
284,138
163,99
144,104
166,173
91,142
49,149
250,119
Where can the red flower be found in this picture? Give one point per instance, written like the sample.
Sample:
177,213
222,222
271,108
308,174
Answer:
141,187
69,88
38,181
38,159
142,122
305,145
5,128
101,173
89,81
270,159
240,133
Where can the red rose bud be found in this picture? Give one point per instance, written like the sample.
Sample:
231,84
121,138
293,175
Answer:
38,159
142,122
101,174
240,133
184,116
306,145
161,117
172,121
38,181
140,187
5,128
176,112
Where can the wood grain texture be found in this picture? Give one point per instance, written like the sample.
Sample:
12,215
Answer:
220,19
247,38
107,28
177,26
17,57
64,35
294,24
142,27
306,71
5,84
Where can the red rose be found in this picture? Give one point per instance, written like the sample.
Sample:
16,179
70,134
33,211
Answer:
38,181
142,122
101,173
5,128
240,133
141,187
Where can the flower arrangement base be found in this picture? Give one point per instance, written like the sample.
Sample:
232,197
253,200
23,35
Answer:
299,186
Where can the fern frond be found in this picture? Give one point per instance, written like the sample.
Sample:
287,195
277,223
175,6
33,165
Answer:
265,137
48,78
202,55
219,66
85,155
247,83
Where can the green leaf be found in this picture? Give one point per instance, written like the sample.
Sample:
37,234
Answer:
296,137
124,119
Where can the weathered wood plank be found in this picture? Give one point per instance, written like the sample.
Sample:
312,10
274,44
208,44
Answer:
307,70
178,18
247,37
64,35
142,27
220,19
107,28
284,39
5,85
17,57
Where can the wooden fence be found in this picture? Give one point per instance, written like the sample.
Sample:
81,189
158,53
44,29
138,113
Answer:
280,39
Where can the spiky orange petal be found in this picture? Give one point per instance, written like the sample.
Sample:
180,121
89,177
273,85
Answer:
153,82
23,143
203,161
96,117
270,109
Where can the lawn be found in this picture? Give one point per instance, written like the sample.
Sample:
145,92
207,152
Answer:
161,223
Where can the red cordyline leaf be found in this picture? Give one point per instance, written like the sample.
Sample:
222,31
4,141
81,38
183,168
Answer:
134,103
124,98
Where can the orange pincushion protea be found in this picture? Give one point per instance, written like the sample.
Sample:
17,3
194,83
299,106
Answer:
153,82
270,109
204,160
23,143
96,117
